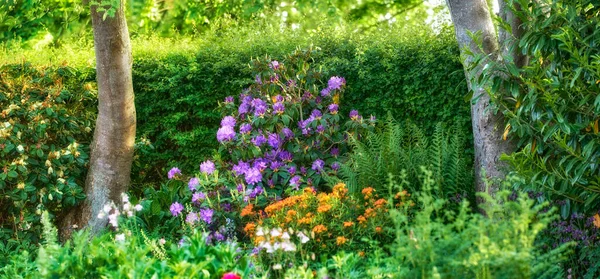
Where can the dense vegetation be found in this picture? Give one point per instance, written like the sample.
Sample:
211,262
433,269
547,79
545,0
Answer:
324,151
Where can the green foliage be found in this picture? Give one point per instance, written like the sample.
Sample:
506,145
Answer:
51,21
437,243
405,74
394,148
106,256
553,104
45,127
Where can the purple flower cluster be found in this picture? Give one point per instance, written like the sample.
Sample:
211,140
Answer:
193,184
207,167
206,215
173,173
176,209
334,83
227,132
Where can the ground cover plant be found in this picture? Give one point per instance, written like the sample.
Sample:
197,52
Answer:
270,150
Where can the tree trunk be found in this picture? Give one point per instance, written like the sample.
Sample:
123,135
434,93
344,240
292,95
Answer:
114,135
474,17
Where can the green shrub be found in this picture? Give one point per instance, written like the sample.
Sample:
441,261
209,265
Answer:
45,126
553,104
133,256
433,242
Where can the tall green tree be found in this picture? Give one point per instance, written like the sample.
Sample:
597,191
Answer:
480,44
114,136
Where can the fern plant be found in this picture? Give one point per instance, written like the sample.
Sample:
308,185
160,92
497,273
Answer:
394,147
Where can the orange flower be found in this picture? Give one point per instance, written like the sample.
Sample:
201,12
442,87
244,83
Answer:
367,192
339,190
250,228
361,253
319,229
369,212
378,229
248,210
341,240
380,203
306,219
324,208
292,213
348,224
361,219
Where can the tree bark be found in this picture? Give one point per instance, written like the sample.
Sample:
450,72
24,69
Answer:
114,135
473,16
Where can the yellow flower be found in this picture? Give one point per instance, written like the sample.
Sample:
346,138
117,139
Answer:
324,208
341,240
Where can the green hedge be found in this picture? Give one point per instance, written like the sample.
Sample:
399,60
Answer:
418,77
414,74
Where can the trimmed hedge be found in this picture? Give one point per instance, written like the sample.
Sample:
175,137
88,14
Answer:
178,82
418,77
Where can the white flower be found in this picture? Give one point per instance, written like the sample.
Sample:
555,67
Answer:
277,267
101,215
285,236
138,207
162,241
113,219
120,237
303,237
106,208
127,206
20,148
125,198
260,232
268,247
288,246
275,232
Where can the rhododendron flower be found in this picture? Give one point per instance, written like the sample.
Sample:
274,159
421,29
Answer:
274,65
292,170
245,128
336,82
325,92
257,79
274,140
335,166
279,98
231,275
225,133
207,167
278,108
240,168
176,208
193,183
320,129
206,215
229,99
198,196
372,118
253,176
354,114
191,218
286,156
259,140
228,121
173,172
318,165
335,152
295,181
316,114
288,133
333,108
244,108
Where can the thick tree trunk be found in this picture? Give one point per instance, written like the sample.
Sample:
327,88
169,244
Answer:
114,136
473,17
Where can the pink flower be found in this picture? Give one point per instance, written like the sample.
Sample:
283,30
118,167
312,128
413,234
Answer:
231,275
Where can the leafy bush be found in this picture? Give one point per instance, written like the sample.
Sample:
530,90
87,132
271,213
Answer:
553,104
130,254
437,243
394,147
45,127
